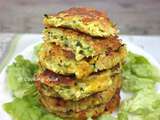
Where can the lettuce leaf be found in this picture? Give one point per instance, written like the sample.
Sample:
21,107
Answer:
144,105
28,108
25,106
20,77
140,78
138,74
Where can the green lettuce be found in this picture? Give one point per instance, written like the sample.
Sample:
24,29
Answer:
28,108
25,106
144,105
20,77
140,78
138,74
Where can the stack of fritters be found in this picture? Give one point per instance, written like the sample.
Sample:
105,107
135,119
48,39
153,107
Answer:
80,60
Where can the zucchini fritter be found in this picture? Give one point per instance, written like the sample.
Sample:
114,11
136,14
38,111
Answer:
69,88
85,103
80,64
80,44
86,20
92,112
58,60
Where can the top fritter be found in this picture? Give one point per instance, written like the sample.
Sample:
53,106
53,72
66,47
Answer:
86,20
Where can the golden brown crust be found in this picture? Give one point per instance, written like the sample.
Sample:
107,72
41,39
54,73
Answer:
76,106
78,89
93,112
111,45
89,14
85,16
98,44
58,51
50,77
114,102
62,61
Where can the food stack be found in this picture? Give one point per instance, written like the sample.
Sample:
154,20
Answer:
80,60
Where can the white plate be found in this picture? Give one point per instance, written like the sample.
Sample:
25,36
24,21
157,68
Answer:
5,94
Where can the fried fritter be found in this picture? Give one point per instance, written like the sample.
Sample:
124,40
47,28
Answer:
96,99
80,44
58,60
69,88
92,112
86,20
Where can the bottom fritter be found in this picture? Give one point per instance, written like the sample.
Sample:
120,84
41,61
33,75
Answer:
93,111
76,106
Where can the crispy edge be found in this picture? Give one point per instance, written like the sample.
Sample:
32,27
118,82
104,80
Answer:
95,111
